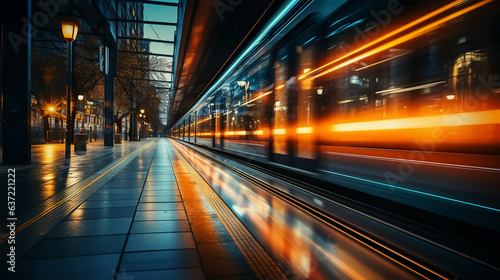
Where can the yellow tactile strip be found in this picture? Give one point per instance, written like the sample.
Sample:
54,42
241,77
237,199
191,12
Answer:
63,197
258,259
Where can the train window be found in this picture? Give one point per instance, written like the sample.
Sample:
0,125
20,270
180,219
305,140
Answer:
219,109
281,75
204,124
247,116
306,96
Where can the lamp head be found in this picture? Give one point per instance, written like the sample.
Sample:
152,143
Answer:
70,28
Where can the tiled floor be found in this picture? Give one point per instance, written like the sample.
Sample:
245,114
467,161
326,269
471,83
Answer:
149,221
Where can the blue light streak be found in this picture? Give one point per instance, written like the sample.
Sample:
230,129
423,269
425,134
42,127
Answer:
309,40
252,45
344,27
414,191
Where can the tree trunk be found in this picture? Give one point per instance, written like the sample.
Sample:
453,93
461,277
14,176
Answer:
46,128
73,123
118,122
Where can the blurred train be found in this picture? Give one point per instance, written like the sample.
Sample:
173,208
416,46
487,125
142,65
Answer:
392,74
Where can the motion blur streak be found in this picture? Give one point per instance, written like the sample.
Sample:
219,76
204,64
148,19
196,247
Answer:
305,130
280,131
414,191
403,28
405,38
472,118
258,97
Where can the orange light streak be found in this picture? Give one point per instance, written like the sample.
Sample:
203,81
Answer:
280,87
280,131
258,97
472,118
304,130
388,35
404,38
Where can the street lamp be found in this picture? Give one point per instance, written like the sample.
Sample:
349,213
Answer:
80,98
70,31
142,116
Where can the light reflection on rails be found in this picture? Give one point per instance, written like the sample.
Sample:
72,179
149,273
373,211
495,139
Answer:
305,246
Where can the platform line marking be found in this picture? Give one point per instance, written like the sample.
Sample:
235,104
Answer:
248,237
253,252
66,199
229,227
243,232
239,230
251,244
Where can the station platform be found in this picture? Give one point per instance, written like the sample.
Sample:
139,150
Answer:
133,211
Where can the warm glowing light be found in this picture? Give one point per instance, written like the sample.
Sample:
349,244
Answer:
319,91
241,83
346,101
280,131
280,87
307,70
230,133
204,134
241,132
472,118
258,132
450,96
398,90
70,28
51,109
397,41
256,98
80,97
304,130
381,61
140,115
142,111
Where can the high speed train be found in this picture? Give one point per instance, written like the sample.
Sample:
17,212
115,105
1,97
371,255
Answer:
400,92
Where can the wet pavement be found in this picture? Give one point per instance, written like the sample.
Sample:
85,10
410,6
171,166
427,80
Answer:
132,211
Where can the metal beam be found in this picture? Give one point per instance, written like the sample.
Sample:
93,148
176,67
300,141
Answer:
16,88
146,53
152,2
145,39
144,21
109,97
152,70
148,80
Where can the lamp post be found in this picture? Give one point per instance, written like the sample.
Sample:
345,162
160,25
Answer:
69,30
142,116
